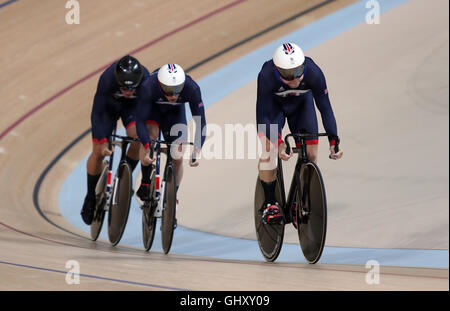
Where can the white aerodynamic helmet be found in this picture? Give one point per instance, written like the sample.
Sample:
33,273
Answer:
171,78
289,60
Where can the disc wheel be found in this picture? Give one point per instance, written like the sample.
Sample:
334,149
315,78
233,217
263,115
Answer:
100,199
311,212
120,207
148,218
169,206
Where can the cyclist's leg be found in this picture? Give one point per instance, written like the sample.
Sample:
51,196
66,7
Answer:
129,121
133,151
153,130
302,118
270,120
174,129
94,164
268,178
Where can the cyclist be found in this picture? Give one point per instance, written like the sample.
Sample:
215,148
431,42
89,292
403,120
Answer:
115,98
288,85
161,106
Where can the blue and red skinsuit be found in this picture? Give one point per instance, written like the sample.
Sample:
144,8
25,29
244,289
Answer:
154,108
110,105
277,102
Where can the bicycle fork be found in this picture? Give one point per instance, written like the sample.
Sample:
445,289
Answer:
109,184
159,187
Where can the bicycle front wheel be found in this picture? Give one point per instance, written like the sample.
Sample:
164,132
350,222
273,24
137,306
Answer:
148,218
100,199
169,206
311,212
120,206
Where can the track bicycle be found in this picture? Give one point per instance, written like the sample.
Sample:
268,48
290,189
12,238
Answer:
305,207
163,197
113,195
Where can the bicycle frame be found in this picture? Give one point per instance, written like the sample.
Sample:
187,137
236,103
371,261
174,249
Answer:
123,145
109,179
302,159
160,183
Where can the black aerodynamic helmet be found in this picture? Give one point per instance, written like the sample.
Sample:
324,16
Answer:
128,72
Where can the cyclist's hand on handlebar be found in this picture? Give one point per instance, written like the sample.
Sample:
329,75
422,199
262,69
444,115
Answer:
282,152
193,161
334,155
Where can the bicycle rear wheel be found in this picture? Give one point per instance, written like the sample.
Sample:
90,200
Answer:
120,207
169,206
100,199
270,237
148,219
311,212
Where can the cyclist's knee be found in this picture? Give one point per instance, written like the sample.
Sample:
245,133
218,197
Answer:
268,163
265,159
312,151
313,158
177,162
153,130
131,131
133,151
269,156
97,152
177,153
134,146
267,146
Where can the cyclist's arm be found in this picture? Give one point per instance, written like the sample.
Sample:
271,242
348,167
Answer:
198,114
143,110
321,97
99,112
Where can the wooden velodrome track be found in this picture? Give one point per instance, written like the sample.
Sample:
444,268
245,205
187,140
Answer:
50,71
